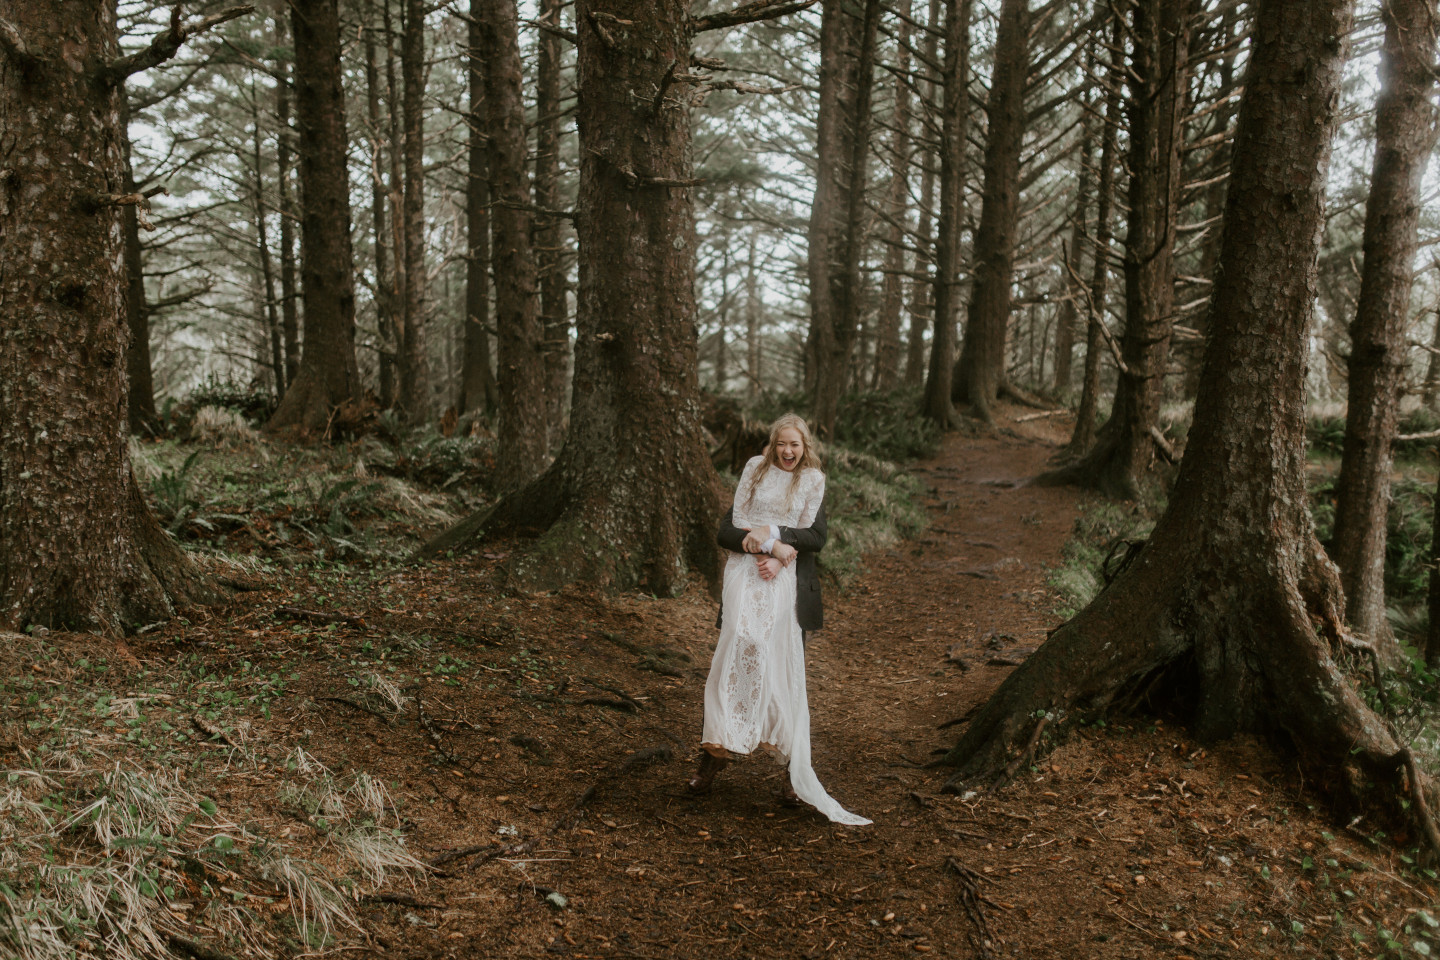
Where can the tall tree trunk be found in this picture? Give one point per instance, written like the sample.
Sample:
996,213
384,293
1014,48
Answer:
142,418
549,235
1224,601
478,392
1083,436
523,428
79,548
384,278
753,308
1431,386
722,360
415,399
329,376
923,283
980,370
1125,450
1074,255
289,296
399,326
1214,197
954,123
892,290
270,310
1404,138
613,511
837,232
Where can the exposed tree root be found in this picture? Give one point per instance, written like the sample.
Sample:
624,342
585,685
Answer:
1252,653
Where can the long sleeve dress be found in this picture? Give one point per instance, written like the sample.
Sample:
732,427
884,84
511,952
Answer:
755,695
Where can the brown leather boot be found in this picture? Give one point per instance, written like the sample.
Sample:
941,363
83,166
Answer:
704,777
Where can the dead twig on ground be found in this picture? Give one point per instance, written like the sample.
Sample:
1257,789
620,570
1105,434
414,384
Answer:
973,904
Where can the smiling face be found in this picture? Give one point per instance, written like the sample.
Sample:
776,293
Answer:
789,448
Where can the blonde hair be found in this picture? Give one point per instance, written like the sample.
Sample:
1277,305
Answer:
810,458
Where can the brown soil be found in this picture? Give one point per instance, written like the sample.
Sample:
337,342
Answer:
555,743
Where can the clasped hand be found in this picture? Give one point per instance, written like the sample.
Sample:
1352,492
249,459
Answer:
781,554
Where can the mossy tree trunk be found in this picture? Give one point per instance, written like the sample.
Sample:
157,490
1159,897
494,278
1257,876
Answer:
79,547
837,223
1404,138
1233,598
954,122
329,376
631,500
478,390
1126,448
523,429
980,370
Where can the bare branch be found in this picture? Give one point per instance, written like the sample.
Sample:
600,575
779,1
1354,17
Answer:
560,32
166,44
751,13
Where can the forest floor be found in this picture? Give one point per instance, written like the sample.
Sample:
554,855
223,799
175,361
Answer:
536,749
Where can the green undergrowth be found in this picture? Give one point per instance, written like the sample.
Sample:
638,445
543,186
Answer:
144,813
870,505
1103,529
231,491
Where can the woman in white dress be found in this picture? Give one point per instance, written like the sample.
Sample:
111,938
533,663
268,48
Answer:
755,695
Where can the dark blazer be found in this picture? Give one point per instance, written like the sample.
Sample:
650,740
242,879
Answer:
808,541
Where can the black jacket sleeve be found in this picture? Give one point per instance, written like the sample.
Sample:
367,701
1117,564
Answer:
730,536
809,539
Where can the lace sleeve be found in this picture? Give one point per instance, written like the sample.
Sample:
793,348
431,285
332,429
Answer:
814,487
741,518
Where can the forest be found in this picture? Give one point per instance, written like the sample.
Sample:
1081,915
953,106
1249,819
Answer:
375,376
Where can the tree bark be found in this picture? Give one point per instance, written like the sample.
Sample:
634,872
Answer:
415,400
612,510
837,233
289,296
270,309
523,429
954,122
1082,438
79,548
1073,258
1404,138
980,370
892,290
1125,450
329,376
1223,603
478,391
549,228
398,324
384,276
142,418
921,287
753,308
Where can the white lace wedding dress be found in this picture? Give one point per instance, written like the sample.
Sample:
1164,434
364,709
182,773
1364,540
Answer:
755,695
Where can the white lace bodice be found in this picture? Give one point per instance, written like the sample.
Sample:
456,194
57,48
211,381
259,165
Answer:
774,502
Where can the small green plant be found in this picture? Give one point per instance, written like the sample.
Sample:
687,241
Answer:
171,490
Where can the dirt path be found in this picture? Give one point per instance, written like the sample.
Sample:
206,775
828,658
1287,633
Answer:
547,782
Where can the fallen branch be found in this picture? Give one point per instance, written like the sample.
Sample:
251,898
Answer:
1039,416
972,902
195,949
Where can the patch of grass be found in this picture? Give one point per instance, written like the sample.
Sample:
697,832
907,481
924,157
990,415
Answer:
1099,529
870,504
